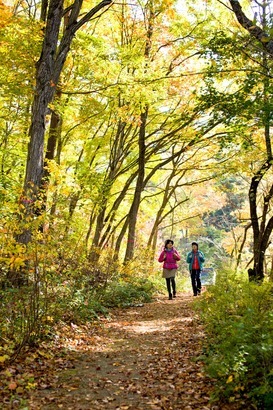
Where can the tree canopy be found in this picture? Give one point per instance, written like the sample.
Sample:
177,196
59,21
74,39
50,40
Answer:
126,123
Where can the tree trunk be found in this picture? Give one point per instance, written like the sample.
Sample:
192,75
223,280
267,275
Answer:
262,232
252,195
94,254
158,219
119,149
120,238
154,242
139,187
255,31
48,70
239,257
45,89
53,138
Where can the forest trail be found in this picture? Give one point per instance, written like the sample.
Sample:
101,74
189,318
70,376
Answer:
142,358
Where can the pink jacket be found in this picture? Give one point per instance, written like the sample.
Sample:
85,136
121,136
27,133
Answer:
169,258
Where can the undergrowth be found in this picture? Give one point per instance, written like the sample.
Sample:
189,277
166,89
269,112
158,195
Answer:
62,286
238,318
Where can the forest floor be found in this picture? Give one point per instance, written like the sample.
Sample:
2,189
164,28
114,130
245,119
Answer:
140,358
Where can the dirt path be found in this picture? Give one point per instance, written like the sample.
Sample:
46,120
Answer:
144,358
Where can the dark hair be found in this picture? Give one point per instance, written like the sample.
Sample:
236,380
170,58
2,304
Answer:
168,241
194,243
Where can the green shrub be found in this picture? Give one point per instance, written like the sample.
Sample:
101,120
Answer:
238,319
122,294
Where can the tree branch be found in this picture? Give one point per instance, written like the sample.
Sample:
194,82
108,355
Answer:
254,30
91,13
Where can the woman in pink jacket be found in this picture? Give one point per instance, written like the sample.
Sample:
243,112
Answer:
169,256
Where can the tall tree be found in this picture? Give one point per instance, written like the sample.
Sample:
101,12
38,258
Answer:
53,55
262,226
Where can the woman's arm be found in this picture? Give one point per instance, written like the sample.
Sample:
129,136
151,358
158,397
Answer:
189,257
201,256
176,255
162,257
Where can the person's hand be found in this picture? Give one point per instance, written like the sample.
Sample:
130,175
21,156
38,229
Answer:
164,255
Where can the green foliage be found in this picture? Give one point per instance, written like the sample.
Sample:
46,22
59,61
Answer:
19,49
239,324
123,294
81,305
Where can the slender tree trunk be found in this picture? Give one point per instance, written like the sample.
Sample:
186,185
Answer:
139,187
118,151
252,195
154,243
94,254
242,245
271,270
110,218
120,238
142,148
164,202
55,130
262,232
91,222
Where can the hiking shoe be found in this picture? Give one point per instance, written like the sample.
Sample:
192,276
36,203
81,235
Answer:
199,291
174,295
170,297
195,294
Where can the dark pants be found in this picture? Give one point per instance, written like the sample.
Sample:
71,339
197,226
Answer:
169,282
195,281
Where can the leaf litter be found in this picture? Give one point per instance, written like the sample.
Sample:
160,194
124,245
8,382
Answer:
141,358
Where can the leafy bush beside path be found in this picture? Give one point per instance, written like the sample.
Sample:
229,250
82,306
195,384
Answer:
238,318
